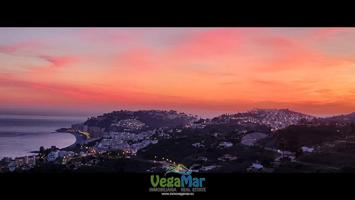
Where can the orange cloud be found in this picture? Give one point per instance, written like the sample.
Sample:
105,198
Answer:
207,69
84,95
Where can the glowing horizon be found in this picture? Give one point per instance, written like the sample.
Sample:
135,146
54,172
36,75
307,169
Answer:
196,70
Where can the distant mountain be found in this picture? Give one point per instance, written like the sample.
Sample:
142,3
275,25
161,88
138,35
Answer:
341,118
273,118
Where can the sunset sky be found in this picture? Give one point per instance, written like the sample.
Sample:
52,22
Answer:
204,71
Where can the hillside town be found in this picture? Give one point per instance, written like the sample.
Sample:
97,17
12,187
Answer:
274,118
148,141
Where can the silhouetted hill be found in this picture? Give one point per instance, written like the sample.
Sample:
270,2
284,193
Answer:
341,118
150,118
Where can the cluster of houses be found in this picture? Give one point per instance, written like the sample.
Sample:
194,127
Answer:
221,145
198,124
198,145
54,156
227,157
224,145
24,163
126,141
129,124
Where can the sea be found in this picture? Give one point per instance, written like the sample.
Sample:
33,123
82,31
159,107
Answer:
22,134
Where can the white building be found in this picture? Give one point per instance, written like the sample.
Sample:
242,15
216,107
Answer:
202,158
127,141
225,144
61,154
12,166
227,157
256,166
307,149
52,156
198,145
30,160
208,168
285,153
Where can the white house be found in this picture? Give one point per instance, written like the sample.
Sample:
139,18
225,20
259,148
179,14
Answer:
198,145
12,166
225,144
202,158
307,149
257,166
52,156
61,154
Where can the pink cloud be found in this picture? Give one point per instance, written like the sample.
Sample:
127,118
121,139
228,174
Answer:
142,58
285,53
14,48
276,42
107,35
216,42
59,61
326,33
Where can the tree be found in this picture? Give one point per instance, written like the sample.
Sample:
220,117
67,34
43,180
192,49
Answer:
41,150
282,146
299,153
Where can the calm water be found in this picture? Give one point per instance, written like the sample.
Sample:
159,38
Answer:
21,134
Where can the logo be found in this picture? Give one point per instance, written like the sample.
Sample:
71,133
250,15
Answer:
179,169
177,180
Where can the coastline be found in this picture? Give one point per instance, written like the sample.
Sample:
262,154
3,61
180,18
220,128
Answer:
30,144
79,139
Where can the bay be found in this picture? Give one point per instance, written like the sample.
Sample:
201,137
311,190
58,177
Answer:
21,134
